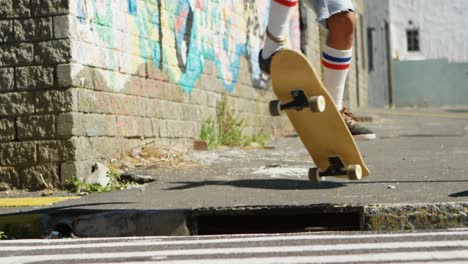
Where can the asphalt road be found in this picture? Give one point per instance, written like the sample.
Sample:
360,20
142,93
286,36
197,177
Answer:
424,247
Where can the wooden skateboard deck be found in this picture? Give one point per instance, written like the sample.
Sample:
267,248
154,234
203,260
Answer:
324,134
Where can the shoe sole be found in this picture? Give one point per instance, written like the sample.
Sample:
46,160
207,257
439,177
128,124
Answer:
364,137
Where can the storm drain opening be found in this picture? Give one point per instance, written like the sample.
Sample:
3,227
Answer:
254,220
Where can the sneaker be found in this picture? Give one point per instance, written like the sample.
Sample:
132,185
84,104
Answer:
264,63
358,131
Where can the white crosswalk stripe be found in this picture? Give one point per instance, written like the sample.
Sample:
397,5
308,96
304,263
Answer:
441,247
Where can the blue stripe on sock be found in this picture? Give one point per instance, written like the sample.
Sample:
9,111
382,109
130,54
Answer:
335,59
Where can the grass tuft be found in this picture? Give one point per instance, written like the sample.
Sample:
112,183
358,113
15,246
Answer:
77,185
226,129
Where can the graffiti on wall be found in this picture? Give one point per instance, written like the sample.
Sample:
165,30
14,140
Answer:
177,37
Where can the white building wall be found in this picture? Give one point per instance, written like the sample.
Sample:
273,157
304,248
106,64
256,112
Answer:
443,29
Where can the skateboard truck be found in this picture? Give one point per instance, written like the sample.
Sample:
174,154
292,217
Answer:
337,168
299,102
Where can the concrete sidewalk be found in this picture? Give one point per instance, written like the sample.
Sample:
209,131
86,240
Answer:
419,180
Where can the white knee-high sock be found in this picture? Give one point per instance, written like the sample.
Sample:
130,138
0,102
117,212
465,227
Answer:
336,67
278,21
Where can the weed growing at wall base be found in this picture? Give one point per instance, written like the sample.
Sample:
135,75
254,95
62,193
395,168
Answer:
227,129
77,185
2,235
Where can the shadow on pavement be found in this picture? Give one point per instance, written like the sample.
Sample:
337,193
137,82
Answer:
396,181
273,184
459,194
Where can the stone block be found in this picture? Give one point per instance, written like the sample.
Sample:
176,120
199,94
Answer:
14,104
84,148
64,75
36,127
49,7
17,54
155,124
103,102
199,97
154,72
130,64
7,129
150,88
10,176
179,129
192,112
14,8
81,124
171,110
52,52
146,127
175,93
62,26
40,177
108,148
55,101
56,151
34,77
6,31
163,132
7,79
94,125
128,126
88,100
75,75
213,99
153,108
33,29
17,153
75,169
65,125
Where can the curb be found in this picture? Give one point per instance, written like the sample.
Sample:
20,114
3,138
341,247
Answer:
384,217
24,226
416,216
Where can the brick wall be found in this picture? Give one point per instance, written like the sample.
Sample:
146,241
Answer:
85,81
31,100
88,80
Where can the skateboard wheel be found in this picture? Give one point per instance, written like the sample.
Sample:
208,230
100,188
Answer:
317,104
314,175
354,172
275,108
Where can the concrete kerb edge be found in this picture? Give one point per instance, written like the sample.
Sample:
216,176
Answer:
24,225
118,223
397,217
378,217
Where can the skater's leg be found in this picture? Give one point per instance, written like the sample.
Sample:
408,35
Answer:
277,30
337,54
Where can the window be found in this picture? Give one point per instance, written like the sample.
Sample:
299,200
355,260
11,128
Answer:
370,48
412,37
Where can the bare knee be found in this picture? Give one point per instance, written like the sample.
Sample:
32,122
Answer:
341,28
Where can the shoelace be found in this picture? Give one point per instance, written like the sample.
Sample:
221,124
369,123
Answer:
349,117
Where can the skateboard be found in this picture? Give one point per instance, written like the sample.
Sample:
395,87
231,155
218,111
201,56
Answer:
315,118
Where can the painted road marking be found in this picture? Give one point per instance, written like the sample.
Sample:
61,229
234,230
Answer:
368,258
345,258
238,250
238,238
33,201
342,248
